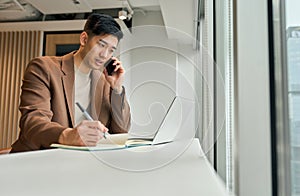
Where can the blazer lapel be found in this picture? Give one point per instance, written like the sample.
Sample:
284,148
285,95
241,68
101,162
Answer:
67,68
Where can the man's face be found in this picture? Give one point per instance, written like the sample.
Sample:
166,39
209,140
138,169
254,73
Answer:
98,50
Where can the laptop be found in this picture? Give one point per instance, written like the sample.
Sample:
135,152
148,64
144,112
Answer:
178,117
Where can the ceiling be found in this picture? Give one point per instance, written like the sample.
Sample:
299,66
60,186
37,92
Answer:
29,10
176,14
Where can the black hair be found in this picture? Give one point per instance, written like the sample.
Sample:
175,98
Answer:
101,24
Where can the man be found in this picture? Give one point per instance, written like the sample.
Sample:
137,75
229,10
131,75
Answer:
52,86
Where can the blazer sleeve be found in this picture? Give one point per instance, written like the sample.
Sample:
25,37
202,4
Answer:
37,129
120,112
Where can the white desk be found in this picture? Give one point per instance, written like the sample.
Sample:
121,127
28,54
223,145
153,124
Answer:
68,172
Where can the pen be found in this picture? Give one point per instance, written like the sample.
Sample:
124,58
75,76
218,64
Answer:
86,115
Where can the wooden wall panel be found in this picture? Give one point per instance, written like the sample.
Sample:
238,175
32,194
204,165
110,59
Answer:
17,48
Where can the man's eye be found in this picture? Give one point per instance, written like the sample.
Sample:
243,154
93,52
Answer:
101,44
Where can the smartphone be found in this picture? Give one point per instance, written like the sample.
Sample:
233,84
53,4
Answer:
109,66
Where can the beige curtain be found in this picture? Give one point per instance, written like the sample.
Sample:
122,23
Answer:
16,49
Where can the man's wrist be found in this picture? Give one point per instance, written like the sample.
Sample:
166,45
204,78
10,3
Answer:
63,136
118,90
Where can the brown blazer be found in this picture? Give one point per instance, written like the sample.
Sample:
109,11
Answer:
47,103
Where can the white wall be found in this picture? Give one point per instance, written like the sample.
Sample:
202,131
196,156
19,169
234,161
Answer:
252,100
179,15
185,71
160,69
152,71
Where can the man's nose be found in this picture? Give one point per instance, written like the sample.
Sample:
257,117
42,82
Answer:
104,53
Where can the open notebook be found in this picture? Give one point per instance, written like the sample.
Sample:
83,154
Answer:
167,131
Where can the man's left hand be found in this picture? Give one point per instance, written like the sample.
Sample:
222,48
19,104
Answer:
117,77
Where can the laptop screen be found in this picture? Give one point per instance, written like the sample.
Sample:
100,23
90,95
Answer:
145,133
179,118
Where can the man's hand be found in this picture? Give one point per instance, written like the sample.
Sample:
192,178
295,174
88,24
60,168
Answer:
87,133
117,77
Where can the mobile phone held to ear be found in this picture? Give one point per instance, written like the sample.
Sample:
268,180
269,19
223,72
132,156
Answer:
110,67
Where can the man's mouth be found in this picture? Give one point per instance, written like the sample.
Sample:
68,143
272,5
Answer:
99,62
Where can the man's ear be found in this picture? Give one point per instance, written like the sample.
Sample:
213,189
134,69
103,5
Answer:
83,38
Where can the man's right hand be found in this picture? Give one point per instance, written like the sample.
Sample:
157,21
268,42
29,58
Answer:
87,133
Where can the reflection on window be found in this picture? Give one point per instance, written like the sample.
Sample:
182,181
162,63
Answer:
293,52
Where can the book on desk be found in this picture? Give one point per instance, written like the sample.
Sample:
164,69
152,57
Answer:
112,142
